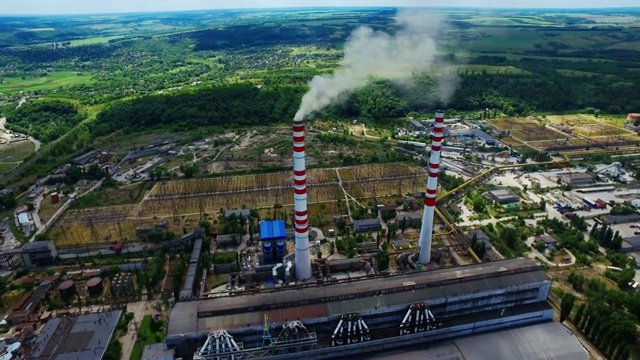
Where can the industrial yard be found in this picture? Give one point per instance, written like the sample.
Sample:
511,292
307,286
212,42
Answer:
365,228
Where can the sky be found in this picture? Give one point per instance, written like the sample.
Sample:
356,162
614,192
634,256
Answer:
33,7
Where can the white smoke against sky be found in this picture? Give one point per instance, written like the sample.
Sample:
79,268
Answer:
370,53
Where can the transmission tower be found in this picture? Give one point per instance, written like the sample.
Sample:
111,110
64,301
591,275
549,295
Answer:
174,210
95,235
201,207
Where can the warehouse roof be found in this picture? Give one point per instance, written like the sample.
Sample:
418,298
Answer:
544,341
504,195
580,176
75,337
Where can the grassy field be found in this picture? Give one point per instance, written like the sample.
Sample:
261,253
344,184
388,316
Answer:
499,39
94,40
490,69
5,168
147,336
16,151
53,80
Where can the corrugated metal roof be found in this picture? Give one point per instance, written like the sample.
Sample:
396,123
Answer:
545,341
272,230
76,337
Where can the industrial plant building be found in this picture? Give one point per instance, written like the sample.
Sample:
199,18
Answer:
39,253
390,310
243,212
189,288
417,126
480,235
480,135
273,237
26,309
366,225
578,179
84,336
503,196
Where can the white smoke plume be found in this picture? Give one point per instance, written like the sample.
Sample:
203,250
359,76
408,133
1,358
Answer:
370,53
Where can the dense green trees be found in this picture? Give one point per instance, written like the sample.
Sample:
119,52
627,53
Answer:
608,318
237,105
44,120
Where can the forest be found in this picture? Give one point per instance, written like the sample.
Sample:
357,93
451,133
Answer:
44,120
235,105
244,104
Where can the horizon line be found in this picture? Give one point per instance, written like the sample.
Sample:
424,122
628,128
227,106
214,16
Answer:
591,8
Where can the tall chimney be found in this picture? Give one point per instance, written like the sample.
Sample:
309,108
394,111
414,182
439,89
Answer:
426,233
303,258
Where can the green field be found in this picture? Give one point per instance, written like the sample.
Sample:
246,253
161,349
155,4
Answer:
94,40
11,153
149,336
490,69
7,167
53,80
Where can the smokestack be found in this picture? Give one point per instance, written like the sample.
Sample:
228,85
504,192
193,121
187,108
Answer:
303,258
426,233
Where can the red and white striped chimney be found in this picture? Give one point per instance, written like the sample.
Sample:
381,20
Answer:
301,212
426,233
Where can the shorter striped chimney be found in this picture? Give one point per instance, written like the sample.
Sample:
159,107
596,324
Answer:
426,233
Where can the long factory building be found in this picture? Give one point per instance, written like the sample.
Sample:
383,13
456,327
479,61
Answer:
348,318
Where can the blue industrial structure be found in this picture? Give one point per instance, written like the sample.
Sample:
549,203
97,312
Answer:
273,235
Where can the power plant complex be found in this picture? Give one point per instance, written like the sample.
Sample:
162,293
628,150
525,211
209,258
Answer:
319,316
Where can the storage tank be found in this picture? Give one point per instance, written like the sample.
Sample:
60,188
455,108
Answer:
67,290
280,246
267,247
94,286
55,197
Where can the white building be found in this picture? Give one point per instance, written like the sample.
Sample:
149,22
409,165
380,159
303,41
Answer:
25,222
